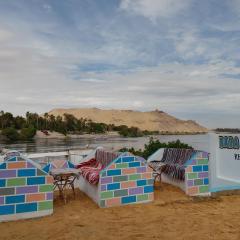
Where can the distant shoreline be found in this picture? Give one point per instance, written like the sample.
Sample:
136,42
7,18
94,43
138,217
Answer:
56,135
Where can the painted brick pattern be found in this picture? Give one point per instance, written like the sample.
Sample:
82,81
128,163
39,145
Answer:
196,175
24,188
127,180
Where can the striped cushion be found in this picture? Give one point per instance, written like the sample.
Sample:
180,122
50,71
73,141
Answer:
90,170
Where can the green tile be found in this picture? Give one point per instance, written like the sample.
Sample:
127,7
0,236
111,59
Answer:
203,189
16,182
108,194
143,197
104,174
122,165
192,175
198,182
120,178
102,203
134,177
203,161
150,181
45,205
120,193
45,188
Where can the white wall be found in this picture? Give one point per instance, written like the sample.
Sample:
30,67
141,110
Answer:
224,169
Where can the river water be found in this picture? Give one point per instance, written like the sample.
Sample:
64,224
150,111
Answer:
199,142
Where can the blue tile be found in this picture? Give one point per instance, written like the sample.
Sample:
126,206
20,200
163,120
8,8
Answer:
15,199
3,166
113,186
148,189
7,209
206,181
26,207
197,168
205,168
35,180
12,159
26,172
119,160
134,164
2,182
127,159
130,199
141,182
114,172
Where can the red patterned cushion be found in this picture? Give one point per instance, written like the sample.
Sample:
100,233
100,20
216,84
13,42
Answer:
90,163
90,170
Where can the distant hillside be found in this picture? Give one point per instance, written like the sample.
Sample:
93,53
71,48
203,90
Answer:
151,121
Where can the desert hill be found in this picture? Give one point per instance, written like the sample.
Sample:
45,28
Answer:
152,121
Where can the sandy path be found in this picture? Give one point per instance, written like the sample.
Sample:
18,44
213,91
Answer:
171,216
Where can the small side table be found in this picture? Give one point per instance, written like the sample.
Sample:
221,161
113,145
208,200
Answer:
63,179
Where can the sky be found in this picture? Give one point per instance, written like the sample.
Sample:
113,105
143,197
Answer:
181,57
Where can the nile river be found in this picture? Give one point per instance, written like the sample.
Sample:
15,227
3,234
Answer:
199,142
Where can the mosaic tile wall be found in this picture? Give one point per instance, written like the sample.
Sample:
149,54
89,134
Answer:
24,188
127,180
196,175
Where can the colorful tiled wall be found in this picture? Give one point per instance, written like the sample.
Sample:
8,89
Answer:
24,189
196,175
127,180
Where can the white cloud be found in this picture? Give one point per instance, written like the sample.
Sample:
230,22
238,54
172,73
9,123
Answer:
153,9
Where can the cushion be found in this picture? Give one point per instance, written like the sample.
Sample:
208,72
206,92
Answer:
90,170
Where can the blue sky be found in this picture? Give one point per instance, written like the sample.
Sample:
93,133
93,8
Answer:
182,57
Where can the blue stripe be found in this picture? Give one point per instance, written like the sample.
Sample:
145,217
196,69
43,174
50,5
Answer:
127,159
114,172
15,199
36,180
134,164
26,172
148,189
141,182
27,207
7,209
129,199
113,186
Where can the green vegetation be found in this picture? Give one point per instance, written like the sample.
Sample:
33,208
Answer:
153,146
24,128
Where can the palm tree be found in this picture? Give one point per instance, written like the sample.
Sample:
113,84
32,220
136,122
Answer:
46,119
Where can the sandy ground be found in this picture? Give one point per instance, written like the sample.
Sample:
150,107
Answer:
171,216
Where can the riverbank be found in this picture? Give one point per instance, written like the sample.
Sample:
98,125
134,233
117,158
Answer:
56,135
112,134
172,215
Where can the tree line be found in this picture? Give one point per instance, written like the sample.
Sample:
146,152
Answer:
20,127
153,145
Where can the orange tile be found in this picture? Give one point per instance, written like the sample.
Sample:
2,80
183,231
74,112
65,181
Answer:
129,170
35,197
112,166
149,169
188,169
192,190
49,179
128,184
113,202
147,175
151,196
16,165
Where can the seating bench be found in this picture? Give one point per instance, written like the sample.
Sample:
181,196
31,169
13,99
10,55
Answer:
184,168
113,179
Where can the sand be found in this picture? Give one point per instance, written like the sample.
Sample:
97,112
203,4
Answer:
152,120
172,215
